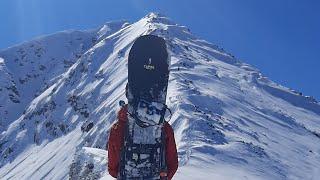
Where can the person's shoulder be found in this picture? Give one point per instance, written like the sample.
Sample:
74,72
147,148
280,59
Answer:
116,128
122,114
166,124
115,125
167,127
119,124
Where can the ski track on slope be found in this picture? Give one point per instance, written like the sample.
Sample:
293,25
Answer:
229,120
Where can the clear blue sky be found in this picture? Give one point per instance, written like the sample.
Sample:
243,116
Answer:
279,37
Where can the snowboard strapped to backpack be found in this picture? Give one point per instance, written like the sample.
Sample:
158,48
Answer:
143,152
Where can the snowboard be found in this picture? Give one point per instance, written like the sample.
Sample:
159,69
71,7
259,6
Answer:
148,74
148,69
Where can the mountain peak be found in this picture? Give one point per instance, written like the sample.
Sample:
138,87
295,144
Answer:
155,17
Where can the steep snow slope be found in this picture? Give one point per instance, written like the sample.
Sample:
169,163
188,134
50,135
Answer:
229,120
33,66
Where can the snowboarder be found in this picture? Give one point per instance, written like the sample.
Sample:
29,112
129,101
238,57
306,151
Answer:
141,143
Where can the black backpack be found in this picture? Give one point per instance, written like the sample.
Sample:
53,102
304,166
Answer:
141,159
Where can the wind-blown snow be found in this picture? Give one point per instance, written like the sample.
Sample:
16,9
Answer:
59,96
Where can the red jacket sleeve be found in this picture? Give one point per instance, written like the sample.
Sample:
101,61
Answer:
171,151
115,143
113,153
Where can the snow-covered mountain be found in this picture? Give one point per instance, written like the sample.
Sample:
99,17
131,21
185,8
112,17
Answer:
59,97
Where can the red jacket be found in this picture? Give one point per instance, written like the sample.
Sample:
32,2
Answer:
115,144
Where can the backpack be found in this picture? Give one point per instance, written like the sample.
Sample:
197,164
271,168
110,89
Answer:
143,152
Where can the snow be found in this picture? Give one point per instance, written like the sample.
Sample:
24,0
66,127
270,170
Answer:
89,163
35,160
59,96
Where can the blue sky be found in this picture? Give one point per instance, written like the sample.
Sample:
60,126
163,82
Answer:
279,37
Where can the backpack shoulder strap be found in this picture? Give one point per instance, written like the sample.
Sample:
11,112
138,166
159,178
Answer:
163,161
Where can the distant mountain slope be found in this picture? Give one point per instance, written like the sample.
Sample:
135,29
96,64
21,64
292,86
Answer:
229,120
33,66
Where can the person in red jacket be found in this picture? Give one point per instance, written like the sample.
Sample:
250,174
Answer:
116,141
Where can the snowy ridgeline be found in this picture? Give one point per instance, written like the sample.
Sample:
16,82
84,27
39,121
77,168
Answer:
59,96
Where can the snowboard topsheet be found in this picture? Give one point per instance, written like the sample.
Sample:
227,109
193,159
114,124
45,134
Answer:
148,68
